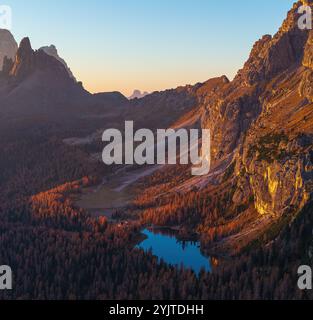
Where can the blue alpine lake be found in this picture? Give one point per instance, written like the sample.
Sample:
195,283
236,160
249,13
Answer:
174,252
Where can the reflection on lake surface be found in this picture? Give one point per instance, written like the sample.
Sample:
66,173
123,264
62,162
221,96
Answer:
175,252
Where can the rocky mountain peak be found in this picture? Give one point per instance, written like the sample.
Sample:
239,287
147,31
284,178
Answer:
272,55
51,49
23,60
27,62
8,46
25,48
53,52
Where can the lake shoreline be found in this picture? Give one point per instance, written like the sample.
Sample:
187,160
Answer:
171,250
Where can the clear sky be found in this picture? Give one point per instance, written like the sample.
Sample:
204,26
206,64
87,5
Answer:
122,45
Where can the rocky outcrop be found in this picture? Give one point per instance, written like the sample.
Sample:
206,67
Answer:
8,46
263,120
52,51
272,55
35,83
7,66
280,179
24,60
305,87
228,113
308,52
27,62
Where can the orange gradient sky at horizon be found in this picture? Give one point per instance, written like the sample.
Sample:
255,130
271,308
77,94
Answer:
123,45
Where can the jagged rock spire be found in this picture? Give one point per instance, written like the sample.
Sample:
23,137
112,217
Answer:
23,60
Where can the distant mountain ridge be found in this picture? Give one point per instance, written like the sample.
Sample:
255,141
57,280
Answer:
40,83
137,94
35,82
